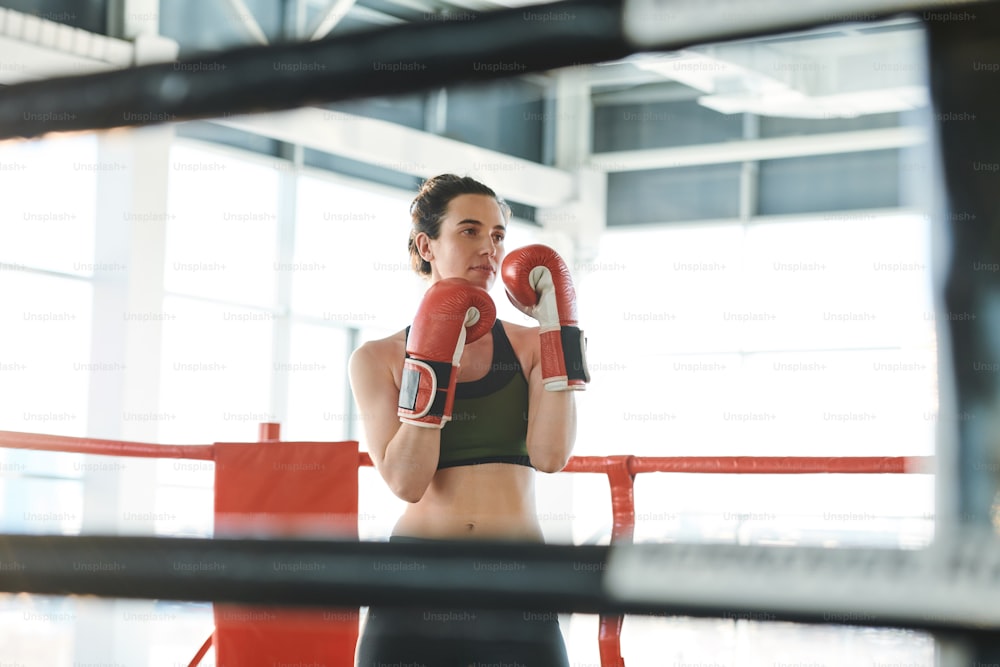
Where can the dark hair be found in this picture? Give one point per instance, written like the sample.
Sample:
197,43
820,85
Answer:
431,204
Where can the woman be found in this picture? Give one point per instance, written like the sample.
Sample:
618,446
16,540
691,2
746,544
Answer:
466,464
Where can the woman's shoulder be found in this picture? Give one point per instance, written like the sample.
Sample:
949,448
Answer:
381,349
523,339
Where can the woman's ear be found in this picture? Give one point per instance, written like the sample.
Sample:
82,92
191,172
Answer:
423,243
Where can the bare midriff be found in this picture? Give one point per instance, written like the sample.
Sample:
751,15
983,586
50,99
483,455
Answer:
484,501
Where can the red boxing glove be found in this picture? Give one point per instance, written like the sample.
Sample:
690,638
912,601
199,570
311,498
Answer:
453,312
539,284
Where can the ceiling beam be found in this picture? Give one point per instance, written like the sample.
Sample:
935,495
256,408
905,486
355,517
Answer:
246,20
36,48
759,149
410,151
331,16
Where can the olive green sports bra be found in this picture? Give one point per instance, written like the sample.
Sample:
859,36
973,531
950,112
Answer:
489,419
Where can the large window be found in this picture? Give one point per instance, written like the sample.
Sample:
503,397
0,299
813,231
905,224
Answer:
350,249
811,338
46,264
50,204
46,259
349,274
222,226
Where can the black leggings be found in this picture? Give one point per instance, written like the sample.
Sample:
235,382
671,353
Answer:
460,638
436,637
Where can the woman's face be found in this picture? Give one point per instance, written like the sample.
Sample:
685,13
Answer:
470,243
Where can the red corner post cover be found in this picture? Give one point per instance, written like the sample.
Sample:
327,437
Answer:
285,489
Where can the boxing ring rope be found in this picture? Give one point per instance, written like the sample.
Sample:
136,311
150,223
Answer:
101,447
619,469
405,58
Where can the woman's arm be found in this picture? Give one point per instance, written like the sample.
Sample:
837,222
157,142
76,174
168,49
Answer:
540,285
404,454
404,431
551,419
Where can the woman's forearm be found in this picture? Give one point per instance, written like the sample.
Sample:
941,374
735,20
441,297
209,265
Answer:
410,461
552,431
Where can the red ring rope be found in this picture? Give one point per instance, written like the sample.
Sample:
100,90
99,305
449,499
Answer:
620,469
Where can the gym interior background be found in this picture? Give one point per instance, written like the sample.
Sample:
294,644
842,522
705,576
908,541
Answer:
748,224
